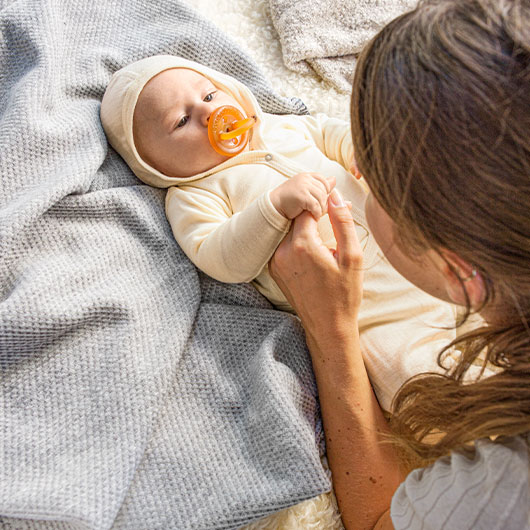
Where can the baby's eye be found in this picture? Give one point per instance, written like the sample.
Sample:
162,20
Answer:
183,121
209,97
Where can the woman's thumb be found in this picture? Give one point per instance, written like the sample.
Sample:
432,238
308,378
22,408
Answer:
343,227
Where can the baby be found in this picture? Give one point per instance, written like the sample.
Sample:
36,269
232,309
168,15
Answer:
229,214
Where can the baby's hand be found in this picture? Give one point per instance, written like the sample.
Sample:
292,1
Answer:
305,191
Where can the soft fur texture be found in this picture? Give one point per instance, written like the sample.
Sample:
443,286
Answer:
327,35
319,513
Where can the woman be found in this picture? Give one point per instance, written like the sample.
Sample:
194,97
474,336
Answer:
440,118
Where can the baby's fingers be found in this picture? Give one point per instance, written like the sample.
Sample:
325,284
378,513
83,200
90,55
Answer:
321,197
327,182
315,206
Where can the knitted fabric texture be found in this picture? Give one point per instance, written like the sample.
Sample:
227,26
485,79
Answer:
327,35
135,391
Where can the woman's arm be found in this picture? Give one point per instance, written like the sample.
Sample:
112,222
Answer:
325,288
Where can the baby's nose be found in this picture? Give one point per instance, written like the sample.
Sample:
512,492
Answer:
206,113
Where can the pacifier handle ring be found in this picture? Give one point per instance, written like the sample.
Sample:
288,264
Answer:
241,126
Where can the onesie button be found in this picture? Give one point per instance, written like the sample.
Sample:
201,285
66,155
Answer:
268,157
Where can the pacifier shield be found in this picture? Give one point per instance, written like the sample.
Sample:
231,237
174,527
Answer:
228,130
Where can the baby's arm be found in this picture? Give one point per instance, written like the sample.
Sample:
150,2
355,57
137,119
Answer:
230,247
332,136
234,247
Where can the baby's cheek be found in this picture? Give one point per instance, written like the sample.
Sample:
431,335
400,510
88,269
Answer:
209,159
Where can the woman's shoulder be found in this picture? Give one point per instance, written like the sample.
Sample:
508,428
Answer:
487,489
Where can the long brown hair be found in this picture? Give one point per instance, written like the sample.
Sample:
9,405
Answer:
440,122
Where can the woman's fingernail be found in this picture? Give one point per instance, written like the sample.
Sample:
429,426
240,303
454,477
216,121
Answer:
336,198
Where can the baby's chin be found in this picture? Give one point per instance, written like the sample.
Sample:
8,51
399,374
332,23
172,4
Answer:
201,164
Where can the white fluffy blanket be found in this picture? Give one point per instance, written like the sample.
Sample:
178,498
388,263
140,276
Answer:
327,35
250,24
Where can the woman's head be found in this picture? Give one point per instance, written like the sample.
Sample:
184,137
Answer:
440,121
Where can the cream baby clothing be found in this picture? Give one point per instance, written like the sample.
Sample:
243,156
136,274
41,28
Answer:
224,221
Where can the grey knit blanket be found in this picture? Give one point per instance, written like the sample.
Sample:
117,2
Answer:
327,35
135,392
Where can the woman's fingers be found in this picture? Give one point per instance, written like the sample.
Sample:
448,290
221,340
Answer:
304,228
284,266
348,250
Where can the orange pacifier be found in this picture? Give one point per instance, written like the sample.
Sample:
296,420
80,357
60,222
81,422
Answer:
229,130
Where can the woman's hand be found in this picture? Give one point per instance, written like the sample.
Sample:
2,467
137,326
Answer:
323,286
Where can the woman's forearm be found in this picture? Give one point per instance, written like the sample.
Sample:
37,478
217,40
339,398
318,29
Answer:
325,288
365,471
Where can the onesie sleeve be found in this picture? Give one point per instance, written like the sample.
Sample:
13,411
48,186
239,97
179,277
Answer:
331,135
489,491
230,247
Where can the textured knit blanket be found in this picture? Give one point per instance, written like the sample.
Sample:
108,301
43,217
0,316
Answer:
135,392
327,35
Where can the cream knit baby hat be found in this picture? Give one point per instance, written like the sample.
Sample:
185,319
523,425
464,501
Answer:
121,95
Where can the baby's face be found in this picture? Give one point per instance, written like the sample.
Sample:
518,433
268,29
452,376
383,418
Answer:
170,123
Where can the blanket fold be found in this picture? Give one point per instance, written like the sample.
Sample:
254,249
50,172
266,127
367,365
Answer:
135,391
327,35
